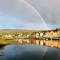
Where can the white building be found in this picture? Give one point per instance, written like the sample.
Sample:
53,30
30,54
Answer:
41,34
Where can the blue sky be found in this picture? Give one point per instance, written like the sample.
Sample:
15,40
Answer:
15,23
29,14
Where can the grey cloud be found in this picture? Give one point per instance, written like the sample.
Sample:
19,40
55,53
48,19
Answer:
21,11
49,10
17,9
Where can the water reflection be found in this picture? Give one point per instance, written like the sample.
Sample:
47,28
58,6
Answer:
29,52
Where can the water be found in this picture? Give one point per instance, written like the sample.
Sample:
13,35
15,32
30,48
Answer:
29,52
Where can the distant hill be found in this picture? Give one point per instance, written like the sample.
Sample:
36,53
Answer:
16,30
23,30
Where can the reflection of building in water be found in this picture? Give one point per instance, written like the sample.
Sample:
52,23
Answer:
48,38
22,41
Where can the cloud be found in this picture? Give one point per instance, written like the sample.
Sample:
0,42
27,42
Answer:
49,10
18,14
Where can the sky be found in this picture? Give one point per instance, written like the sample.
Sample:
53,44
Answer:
29,14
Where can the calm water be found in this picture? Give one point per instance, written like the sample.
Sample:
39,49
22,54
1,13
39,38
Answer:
29,52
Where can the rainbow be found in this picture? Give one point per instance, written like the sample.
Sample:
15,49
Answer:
35,10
